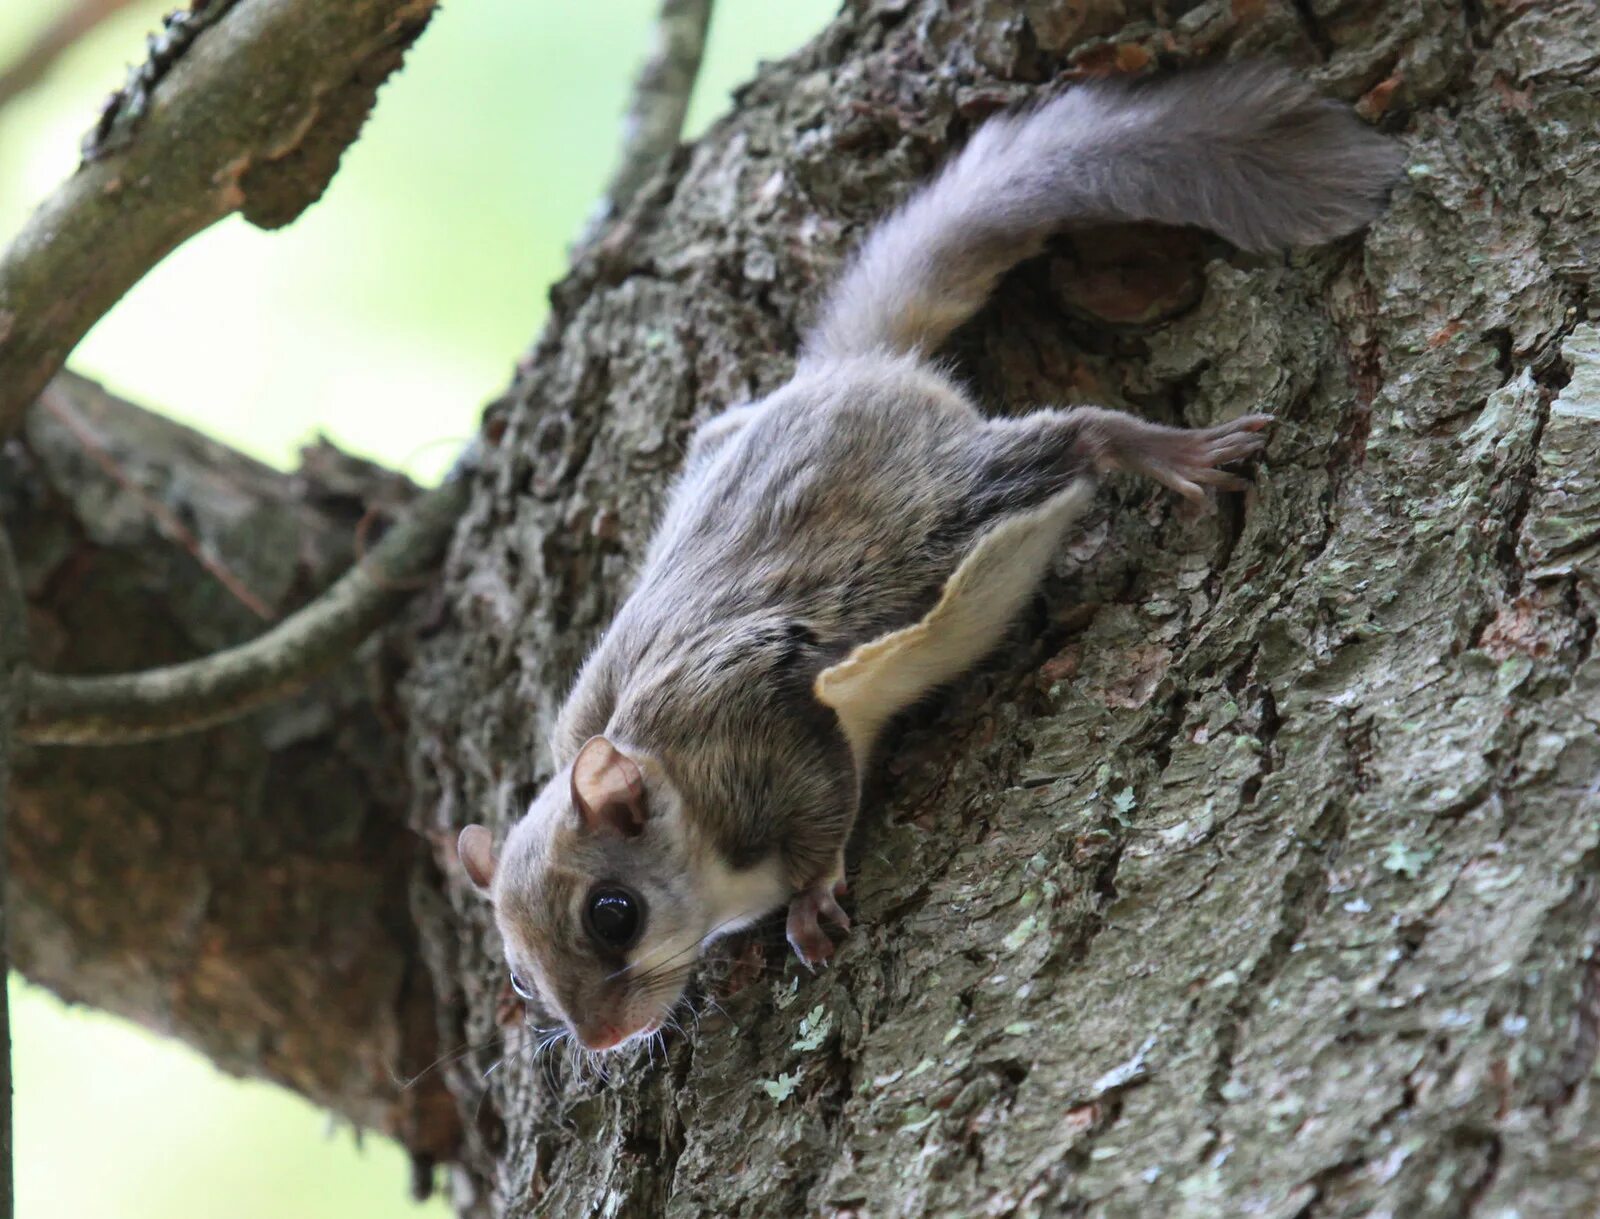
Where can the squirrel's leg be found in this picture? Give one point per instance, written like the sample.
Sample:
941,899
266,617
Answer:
808,908
1034,455
1185,459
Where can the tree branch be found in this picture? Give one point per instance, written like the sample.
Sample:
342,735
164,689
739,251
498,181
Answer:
120,709
13,647
661,92
251,114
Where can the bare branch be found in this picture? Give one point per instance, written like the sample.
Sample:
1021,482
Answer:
180,698
251,114
13,647
661,93
52,42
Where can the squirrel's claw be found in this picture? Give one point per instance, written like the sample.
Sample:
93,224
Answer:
806,910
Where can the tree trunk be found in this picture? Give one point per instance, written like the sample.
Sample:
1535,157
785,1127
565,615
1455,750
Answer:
1258,873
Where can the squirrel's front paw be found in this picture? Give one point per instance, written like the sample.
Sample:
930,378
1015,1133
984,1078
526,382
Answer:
1190,462
810,942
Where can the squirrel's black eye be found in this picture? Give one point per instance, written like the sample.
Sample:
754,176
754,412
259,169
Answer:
521,987
615,917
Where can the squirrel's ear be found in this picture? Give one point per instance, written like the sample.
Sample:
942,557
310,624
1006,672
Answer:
476,850
608,789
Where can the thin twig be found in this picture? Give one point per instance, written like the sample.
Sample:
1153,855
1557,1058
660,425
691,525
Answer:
248,115
181,698
56,402
52,42
13,649
661,92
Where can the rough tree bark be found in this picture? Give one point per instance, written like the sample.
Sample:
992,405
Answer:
1259,873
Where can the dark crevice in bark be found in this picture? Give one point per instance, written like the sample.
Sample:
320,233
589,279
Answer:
1266,734
1586,619
1556,1087
1522,481
1312,26
1305,892
1323,1182
1163,731
1364,364
1577,1063
1492,1148
1328,1180
1479,30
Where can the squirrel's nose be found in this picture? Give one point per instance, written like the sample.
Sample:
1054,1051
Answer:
603,1037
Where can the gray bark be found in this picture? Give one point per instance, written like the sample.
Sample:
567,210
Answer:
1257,874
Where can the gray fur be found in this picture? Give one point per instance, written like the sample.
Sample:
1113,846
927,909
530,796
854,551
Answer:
834,512
1248,151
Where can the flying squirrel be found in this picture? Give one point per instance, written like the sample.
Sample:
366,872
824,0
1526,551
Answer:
837,550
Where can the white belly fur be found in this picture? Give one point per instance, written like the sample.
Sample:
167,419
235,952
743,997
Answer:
979,601
737,899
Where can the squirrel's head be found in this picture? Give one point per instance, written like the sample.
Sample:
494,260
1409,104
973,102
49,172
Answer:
594,896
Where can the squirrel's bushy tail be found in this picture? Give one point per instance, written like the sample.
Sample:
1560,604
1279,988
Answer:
1249,151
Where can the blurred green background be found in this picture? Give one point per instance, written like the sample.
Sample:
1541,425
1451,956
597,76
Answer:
384,317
